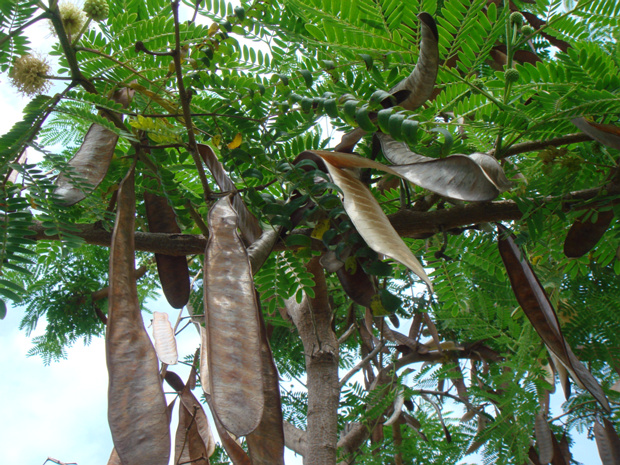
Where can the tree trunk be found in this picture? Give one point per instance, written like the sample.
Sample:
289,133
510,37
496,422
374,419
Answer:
313,318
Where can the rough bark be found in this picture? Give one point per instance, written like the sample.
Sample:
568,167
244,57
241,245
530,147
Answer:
294,439
313,319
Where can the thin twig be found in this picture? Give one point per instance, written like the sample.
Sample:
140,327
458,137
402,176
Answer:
50,459
361,364
204,229
350,330
174,115
193,148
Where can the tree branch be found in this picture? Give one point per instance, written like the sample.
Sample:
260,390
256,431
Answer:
541,144
193,148
361,364
103,292
294,438
408,223
359,433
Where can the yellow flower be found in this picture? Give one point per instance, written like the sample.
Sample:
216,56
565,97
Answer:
28,75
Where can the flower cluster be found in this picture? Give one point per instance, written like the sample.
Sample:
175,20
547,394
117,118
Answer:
28,75
97,10
73,18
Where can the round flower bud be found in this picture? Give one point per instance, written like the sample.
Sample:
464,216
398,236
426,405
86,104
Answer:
73,18
511,75
478,84
527,30
516,18
28,75
97,10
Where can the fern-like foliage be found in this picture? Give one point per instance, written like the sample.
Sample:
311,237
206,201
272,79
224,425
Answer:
14,18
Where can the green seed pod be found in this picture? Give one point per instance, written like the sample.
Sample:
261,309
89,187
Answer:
409,131
240,13
395,124
306,104
383,118
349,109
364,121
331,108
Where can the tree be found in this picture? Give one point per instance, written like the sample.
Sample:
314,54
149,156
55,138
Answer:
473,135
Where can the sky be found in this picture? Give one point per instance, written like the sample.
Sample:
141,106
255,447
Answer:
60,411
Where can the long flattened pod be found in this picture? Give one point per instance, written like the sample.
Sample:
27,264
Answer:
90,163
92,159
248,223
137,410
172,270
266,442
233,325
584,235
537,307
195,439
421,81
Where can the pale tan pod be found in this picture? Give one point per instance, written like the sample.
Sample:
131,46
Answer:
204,364
399,401
163,336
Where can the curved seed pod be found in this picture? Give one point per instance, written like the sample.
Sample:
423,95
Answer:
492,169
199,441
235,452
188,445
172,270
90,163
584,235
606,134
368,217
531,295
562,374
399,401
607,442
205,381
114,458
248,223
163,336
266,442
233,325
137,410
536,305
399,338
421,81
356,283
543,438
477,177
